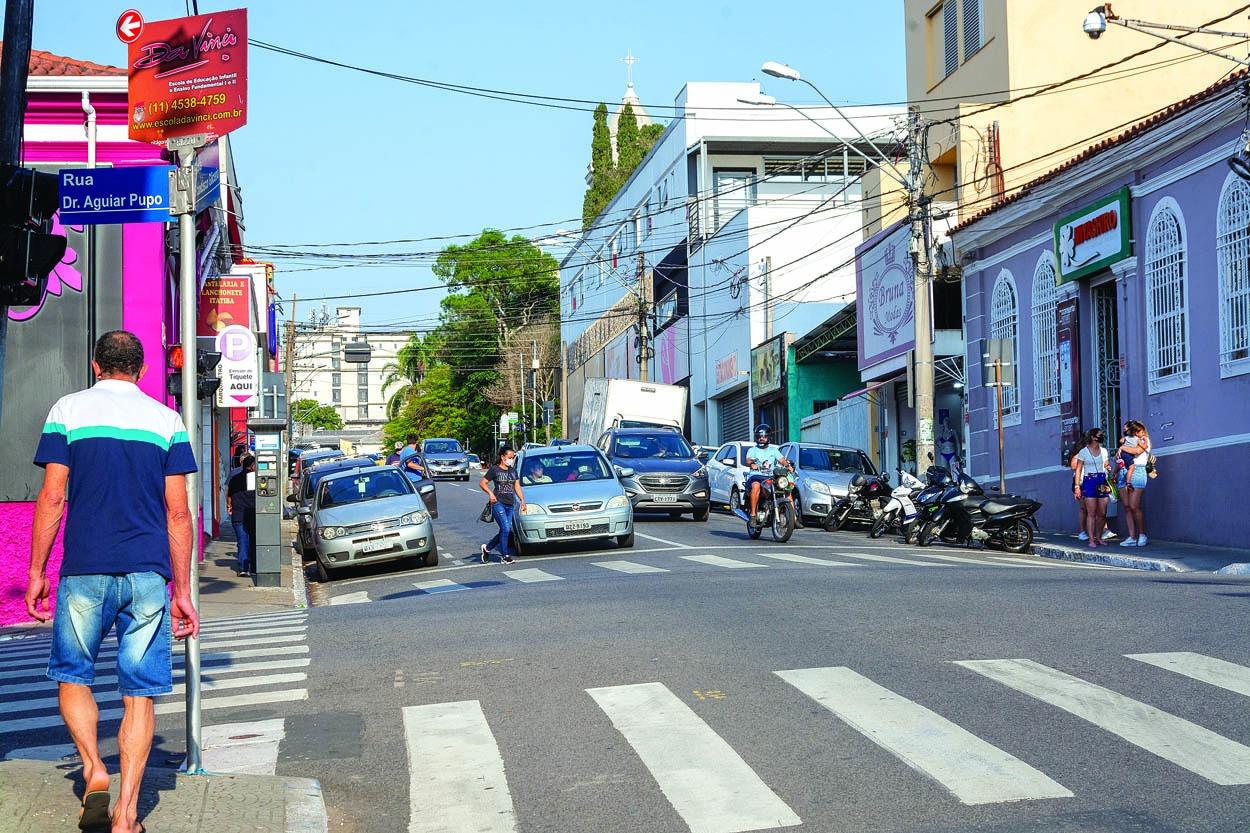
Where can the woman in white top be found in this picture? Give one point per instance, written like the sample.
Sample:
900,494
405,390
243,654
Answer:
1135,487
1093,465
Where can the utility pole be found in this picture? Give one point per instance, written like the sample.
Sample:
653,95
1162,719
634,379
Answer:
521,372
922,368
290,372
644,319
14,66
534,385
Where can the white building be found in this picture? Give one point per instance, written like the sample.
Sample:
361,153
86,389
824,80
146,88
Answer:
746,219
354,390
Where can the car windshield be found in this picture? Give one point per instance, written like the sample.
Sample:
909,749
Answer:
833,459
317,474
367,485
538,469
443,447
666,444
640,423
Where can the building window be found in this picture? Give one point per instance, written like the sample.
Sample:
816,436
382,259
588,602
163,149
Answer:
1004,323
1045,340
735,190
362,412
362,396
973,28
336,396
1167,299
950,37
1233,251
336,379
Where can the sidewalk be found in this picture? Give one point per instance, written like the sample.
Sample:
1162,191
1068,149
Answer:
1160,556
41,797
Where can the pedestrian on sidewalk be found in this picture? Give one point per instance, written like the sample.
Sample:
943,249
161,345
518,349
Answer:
241,505
1093,467
502,486
122,455
1136,442
392,459
1081,533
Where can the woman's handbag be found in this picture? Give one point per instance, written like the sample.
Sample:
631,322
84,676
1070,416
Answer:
1152,469
488,514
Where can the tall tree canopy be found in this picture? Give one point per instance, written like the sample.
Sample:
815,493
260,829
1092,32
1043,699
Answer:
629,150
311,412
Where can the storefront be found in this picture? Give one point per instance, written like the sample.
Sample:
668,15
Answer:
1122,284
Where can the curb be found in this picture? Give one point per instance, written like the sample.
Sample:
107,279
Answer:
1235,570
305,808
1132,562
299,585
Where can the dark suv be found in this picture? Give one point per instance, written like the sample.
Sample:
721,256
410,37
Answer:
668,477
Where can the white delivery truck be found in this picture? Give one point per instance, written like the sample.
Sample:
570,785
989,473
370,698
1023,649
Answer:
629,403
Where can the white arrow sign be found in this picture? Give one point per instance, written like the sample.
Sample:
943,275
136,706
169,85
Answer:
129,26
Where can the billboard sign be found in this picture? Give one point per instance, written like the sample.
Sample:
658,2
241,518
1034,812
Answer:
188,76
225,300
1093,238
768,369
884,286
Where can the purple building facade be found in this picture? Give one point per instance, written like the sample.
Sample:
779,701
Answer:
1122,279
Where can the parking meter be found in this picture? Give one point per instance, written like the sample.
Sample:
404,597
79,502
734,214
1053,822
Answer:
269,460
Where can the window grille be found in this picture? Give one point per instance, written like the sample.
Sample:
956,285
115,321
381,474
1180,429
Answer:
1167,302
950,36
1004,323
1045,340
1233,252
972,27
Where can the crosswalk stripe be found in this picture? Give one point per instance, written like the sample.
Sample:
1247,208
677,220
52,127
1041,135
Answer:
980,562
439,585
275,616
10,727
709,785
207,683
531,575
889,559
458,783
628,567
1188,745
32,647
975,771
207,658
803,559
210,671
350,598
720,561
222,633
1216,672
110,649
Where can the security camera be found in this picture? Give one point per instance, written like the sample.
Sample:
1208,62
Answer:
1095,23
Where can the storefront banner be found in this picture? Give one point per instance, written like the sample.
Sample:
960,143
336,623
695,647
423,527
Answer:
768,366
618,357
1094,237
188,76
671,361
726,369
225,300
1068,331
883,282
239,368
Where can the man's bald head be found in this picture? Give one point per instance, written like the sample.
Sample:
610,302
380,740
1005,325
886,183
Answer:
119,354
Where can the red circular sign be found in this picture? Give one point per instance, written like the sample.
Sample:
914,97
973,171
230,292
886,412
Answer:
129,26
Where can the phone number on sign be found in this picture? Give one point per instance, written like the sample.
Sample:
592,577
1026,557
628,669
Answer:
188,103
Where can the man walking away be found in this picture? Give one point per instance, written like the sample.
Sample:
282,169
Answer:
241,504
128,532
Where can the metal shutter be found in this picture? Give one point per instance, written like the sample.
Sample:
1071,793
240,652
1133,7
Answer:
735,417
950,31
972,27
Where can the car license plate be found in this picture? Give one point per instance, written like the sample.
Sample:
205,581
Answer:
376,546
664,498
576,526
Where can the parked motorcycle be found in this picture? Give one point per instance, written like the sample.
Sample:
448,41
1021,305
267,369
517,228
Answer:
966,514
862,504
775,510
900,513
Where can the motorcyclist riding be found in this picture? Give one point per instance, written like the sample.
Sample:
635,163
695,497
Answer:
761,460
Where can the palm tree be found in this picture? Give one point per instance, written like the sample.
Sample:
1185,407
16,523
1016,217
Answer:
406,371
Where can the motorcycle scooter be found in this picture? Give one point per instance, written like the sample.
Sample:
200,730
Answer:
966,514
862,504
900,513
775,510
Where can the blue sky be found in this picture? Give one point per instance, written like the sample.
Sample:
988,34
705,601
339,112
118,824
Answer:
330,155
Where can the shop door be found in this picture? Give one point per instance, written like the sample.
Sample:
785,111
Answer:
774,414
735,417
1106,360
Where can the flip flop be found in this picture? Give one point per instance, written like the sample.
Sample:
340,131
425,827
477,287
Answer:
95,811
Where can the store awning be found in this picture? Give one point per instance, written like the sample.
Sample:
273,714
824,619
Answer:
864,391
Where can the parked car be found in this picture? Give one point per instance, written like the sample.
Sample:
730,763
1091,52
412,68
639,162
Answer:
577,497
726,474
667,475
823,474
444,457
474,461
311,456
366,516
306,490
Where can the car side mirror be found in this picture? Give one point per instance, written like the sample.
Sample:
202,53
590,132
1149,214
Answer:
292,498
304,510
625,472
731,463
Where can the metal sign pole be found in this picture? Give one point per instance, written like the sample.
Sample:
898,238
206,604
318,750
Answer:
998,396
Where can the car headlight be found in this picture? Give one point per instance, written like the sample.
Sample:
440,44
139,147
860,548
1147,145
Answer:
819,488
701,472
533,509
418,517
331,532
618,502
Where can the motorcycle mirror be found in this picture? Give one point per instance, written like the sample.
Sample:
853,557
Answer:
930,456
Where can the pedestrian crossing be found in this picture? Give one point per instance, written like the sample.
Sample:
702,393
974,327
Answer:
461,777
245,661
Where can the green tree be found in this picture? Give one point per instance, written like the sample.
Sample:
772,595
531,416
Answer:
604,177
629,151
650,134
404,372
311,412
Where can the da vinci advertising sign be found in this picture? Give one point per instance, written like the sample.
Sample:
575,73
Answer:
883,281
188,76
1094,237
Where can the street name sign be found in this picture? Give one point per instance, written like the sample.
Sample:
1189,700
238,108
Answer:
188,76
96,196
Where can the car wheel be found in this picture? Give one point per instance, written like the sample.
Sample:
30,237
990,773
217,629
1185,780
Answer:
735,499
323,574
625,541
518,548
431,557
701,514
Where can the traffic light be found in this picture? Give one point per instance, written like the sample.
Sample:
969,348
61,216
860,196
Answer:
28,248
206,383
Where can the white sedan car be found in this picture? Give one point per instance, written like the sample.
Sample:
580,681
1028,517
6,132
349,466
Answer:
726,473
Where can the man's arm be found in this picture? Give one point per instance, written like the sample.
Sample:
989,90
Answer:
178,521
49,510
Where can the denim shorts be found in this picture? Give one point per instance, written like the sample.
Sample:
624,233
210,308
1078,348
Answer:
87,608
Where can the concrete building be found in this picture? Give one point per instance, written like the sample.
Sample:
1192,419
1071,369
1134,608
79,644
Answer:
738,227
1122,278
354,390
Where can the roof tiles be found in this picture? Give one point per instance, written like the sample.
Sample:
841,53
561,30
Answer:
46,63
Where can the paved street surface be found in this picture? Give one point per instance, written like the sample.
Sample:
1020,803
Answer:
705,682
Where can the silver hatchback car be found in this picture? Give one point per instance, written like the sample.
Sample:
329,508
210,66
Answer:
571,494
369,515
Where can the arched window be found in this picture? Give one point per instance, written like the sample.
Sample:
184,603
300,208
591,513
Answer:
1167,299
1045,339
1232,244
1005,323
